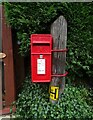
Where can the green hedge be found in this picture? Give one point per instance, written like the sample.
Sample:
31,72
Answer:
29,18
33,103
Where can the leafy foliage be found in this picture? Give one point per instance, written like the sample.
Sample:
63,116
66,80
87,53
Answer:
38,17
33,103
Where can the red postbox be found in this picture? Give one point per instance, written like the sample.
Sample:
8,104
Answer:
41,46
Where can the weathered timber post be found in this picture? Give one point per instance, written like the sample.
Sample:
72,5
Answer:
59,33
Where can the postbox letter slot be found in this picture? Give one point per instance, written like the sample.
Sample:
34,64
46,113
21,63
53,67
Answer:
41,44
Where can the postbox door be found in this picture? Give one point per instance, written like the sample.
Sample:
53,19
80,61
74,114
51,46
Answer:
41,70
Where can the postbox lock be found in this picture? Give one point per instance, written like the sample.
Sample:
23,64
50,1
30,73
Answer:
41,56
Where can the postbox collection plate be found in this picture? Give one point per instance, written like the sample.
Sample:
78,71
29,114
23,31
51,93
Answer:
41,66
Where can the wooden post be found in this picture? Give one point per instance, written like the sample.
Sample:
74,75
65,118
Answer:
59,33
